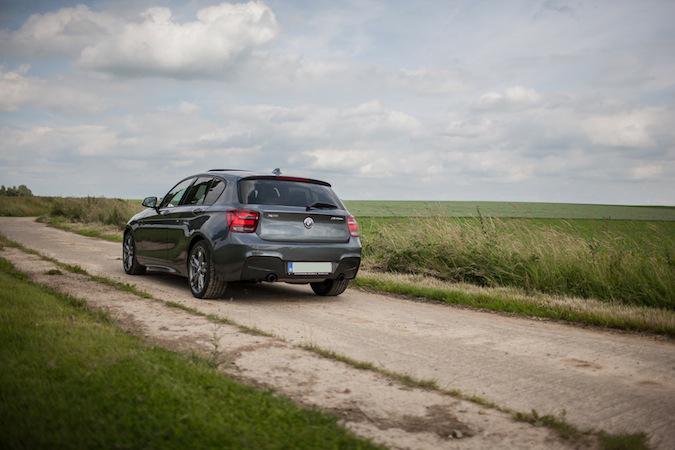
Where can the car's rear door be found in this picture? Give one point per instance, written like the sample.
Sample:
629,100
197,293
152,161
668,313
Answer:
184,219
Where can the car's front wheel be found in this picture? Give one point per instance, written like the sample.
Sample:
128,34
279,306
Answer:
129,261
204,281
330,288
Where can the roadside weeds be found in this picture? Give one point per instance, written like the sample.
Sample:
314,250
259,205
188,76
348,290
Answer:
559,425
572,310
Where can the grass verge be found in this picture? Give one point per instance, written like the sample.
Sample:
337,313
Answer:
71,379
509,300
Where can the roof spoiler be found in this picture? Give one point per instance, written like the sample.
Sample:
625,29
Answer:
285,178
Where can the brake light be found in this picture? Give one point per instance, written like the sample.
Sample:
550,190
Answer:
242,221
353,226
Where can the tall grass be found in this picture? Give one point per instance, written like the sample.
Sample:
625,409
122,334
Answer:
90,210
494,252
108,211
25,206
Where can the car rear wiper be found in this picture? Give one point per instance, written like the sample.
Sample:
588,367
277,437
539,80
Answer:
321,205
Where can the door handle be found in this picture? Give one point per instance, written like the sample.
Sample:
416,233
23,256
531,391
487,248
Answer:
197,211
164,212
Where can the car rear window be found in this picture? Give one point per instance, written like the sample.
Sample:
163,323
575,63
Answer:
285,193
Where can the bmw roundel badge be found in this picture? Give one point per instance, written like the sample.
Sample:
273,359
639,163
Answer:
308,222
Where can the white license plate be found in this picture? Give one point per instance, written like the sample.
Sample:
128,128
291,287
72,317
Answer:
310,268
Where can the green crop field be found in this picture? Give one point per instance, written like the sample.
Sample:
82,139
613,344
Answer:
394,208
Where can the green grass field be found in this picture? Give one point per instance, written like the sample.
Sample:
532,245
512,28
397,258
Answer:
70,379
390,208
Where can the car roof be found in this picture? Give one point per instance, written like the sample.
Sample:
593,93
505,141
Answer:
237,174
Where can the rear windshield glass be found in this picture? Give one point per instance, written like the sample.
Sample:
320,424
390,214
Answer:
286,193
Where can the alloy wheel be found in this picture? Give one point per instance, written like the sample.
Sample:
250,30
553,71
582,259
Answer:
198,269
128,252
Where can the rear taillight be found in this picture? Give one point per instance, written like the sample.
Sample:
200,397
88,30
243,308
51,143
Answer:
242,221
353,226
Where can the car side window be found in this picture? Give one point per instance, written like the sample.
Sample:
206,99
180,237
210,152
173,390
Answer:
215,189
175,195
195,195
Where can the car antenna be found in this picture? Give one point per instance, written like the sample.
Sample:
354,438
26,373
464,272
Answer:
277,171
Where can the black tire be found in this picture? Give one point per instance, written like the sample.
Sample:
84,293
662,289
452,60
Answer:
330,288
129,261
203,279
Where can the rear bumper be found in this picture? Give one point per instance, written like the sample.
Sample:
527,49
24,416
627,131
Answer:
270,268
247,257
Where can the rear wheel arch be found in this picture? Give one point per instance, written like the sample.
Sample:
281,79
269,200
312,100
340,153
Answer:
194,240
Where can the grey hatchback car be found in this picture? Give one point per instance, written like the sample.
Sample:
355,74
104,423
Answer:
229,225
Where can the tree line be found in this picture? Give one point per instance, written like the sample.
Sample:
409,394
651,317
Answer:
15,191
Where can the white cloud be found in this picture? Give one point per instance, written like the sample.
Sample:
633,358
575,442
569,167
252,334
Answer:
183,107
65,31
513,97
156,45
646,171
366,121
20,90
470,128
340,159
629,129
59,142
427,81
160,46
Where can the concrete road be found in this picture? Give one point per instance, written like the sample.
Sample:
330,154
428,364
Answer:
616,382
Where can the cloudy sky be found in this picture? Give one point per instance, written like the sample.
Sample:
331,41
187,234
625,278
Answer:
540,100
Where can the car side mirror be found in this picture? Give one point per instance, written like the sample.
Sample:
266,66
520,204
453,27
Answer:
150,202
